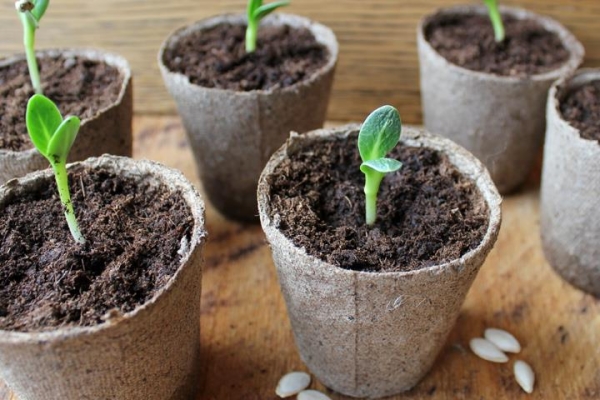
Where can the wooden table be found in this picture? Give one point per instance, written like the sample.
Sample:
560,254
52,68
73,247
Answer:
247,343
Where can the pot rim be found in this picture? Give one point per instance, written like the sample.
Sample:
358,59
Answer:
413,136
177,181
112,59
569,41
556,95
316,28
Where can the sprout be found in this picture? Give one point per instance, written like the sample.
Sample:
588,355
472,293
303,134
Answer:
31,12
53,137
378,135
256,12
492,6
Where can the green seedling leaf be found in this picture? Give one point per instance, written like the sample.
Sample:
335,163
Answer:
383,165
61,142
496,19
42,119
54,137
39,8
378,135
267,9
255,12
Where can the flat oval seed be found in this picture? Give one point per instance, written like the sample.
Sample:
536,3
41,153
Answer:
503,340
292,383
312,395
487,350
524,375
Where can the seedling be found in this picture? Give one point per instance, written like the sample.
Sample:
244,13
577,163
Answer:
378,135
256,12
53,136
30,13
494,13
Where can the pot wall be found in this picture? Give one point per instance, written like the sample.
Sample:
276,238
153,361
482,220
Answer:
233,133
107,132
373,334
570,193
501,120
149,353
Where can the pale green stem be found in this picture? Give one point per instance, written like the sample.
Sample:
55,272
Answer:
251,33
496,20
62,182
29,43
372,182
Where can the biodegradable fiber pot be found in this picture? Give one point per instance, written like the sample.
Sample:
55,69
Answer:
373,334
151,352
107,132
570,217
233,133
500,119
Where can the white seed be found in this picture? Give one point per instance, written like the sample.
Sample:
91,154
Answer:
503,340
312,395
487,350
292,383
524,375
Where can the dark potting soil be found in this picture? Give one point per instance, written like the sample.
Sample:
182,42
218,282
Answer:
133,232
468,41
217,58
78,86
427,212
581,108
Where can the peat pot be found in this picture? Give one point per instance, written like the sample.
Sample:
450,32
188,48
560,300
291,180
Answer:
108,131
570,216
233,133
151,352
373,334
500,119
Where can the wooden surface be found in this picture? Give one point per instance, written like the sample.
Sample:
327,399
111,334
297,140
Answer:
378,58
247,343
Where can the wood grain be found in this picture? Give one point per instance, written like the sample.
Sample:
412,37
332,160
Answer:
246,339
378,58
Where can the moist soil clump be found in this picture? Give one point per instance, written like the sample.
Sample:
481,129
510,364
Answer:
133,233
581,108
77,85
468,41
427,212
217,57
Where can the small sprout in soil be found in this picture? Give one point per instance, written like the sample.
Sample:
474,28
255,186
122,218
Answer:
496,18
256,12
378,135
53,136
30,13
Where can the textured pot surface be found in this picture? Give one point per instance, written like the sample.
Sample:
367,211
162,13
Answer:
107,132
500,119
151,352
234,133
570,193
369,334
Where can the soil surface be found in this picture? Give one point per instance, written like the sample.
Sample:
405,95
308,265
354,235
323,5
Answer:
468,41
427,212
217,58
581,108
133,232
78,87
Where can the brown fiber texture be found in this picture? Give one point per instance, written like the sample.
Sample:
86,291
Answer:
570,193
373,334
234,133
150,353
500,119
106,132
